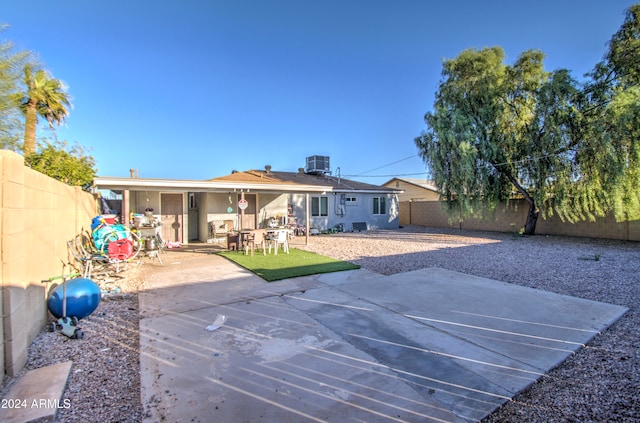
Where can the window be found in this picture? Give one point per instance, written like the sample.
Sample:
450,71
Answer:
379,205
319,206
351,201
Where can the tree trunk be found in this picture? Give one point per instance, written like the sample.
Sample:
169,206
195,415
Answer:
532,218
31,121
532,215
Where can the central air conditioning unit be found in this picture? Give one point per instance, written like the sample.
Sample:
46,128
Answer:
318,165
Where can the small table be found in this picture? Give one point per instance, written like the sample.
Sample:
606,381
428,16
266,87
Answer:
243,235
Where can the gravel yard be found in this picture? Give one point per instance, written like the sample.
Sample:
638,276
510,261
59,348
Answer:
599,383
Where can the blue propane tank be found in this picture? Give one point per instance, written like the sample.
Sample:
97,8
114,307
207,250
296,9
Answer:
83,297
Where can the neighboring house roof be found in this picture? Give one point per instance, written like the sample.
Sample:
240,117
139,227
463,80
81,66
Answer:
255,180
422,183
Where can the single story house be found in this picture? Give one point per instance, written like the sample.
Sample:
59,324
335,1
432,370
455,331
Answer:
192,210
414,189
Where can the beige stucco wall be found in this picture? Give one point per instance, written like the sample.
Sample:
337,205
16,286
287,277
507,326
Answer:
213,206
512,217
271,206
37,215
140,200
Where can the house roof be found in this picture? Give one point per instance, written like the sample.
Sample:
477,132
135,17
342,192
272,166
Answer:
322,180
422,183
254,180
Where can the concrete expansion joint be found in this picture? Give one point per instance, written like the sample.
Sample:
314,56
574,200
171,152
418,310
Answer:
249,299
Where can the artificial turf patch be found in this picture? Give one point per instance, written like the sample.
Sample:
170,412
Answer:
283,266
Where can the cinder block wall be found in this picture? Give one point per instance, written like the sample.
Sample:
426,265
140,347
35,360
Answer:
425,213
511,217
38,215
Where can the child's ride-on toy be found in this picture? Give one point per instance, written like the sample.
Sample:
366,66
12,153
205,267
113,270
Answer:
68,326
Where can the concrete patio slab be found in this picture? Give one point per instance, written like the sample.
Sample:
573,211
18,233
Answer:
428,345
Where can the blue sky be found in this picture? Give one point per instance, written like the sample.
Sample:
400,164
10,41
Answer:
193,89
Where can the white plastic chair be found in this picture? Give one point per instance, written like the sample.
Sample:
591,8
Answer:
280,238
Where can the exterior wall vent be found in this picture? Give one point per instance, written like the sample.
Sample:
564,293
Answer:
318,165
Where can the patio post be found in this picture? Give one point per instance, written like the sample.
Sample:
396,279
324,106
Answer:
307,220
241,210
126,206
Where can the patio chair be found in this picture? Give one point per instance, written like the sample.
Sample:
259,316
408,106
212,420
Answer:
218,230
257,236
280,237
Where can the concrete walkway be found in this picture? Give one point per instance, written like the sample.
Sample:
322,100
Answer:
428,345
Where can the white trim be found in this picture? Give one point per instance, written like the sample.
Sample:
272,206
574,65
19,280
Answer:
351,200
167,185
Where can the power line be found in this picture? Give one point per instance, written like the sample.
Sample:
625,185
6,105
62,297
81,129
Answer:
385,176
389,164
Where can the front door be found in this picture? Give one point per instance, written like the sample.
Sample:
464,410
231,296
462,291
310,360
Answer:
172,216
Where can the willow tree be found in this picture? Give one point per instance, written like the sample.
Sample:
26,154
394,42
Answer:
612,112
500,131
45,97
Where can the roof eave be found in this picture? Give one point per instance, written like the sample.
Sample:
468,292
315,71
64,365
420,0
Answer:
189,185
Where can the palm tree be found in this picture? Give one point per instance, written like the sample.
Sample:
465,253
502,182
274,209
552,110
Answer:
45,97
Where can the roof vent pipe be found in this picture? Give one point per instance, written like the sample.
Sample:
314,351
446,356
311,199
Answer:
132,172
